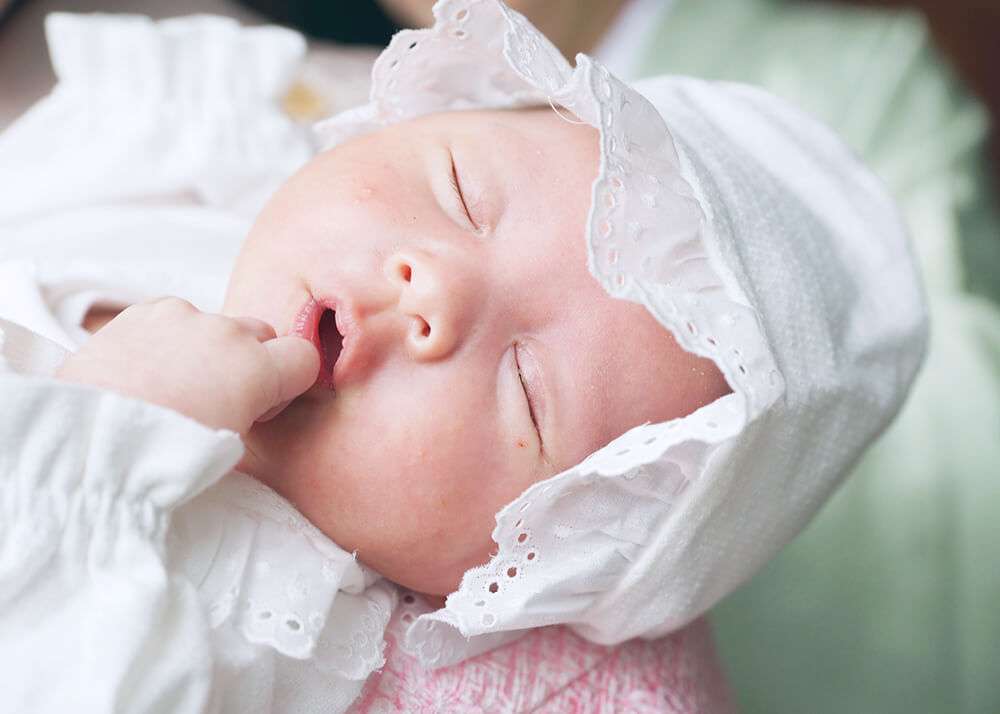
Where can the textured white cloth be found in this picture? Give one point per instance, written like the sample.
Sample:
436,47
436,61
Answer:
752,234
123,80
138,573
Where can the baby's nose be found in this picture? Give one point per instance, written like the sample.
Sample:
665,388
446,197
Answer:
436,295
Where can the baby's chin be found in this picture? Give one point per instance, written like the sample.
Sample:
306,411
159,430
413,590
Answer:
425,575
393,546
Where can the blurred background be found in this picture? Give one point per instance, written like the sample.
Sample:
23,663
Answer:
890,600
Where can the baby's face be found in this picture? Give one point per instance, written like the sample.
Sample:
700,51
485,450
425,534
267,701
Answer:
480,357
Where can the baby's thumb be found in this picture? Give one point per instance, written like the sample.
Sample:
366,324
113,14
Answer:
296,365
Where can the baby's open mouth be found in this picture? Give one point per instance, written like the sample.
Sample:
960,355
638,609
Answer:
328,331
331,342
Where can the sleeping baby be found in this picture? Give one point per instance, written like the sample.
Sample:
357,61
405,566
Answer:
525,345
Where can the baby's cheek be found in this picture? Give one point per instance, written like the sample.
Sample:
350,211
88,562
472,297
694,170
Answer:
448,514
456,493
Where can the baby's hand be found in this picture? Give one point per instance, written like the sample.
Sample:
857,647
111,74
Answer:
225,372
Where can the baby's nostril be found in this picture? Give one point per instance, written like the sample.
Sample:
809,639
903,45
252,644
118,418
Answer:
418,330
405,272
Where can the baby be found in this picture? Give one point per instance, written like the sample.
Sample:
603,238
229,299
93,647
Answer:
421,355
450,347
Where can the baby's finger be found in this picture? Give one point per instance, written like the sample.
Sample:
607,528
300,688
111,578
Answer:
260,329
296,365
274,411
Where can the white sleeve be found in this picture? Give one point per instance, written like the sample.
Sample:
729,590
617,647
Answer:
91,619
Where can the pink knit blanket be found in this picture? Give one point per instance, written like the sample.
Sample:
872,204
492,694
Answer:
553,670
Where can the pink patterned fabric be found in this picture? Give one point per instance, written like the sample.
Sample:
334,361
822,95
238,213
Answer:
552,670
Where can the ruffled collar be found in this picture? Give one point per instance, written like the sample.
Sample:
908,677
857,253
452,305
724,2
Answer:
270,577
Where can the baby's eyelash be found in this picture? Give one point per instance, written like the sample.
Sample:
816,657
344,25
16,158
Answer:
527,395
458,192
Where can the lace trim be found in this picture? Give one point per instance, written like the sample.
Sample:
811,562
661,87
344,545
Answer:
268,574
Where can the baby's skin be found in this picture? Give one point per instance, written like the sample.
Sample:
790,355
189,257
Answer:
411,338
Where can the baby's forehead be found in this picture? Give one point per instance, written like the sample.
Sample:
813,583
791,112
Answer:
533,129
528,138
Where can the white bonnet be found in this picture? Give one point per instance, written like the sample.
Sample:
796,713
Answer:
752,234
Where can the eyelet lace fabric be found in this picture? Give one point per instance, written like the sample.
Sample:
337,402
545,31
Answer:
754,237
268,576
